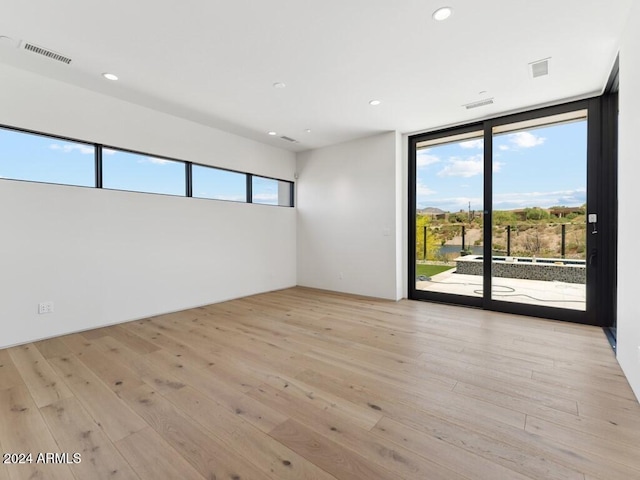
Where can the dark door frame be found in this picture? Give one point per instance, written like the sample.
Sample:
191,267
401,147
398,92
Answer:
601,199
415,294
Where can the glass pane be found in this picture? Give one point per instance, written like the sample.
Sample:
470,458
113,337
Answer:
539,214
268,191
219,184
284,194
449,207
36,158
142,173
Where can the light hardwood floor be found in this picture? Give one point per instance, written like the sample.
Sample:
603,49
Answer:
303,384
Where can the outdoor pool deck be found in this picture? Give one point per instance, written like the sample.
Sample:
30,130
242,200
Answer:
534,292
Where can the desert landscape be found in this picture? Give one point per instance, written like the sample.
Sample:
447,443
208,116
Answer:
534,232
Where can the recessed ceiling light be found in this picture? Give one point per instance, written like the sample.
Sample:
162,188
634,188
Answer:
279,85
442,13
308,130
272,133
375,102
110,76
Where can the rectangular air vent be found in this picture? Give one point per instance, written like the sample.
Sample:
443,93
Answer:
289,139
47,53
539,68
481,103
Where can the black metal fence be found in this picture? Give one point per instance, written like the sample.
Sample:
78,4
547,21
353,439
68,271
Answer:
522,239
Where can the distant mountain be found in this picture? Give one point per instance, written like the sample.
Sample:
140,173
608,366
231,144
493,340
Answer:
431,211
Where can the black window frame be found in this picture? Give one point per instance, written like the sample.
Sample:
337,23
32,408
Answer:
223,170
187,180
96,156
250,192
99,168
601,198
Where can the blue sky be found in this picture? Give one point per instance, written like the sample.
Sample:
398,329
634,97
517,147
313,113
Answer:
37,158
533,168
32,157
539,167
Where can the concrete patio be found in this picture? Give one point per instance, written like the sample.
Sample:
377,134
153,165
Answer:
534,292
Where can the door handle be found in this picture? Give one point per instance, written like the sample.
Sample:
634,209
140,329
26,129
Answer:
593,258
593,220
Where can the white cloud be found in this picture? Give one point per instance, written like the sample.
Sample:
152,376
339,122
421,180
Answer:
72,147
466,167
232,198
569,198
422,190
457,167
423,158
525,140
154,160
266,197
454,204
473,144
503,147
108,151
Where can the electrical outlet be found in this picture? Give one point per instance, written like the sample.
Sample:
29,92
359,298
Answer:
45,307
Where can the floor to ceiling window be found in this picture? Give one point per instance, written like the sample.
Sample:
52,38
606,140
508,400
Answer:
539,216
449,212
504,214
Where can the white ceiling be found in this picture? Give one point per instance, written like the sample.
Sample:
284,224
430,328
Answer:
215,62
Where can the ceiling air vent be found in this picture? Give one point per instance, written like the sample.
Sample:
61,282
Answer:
289,139
539,68
47,53
481,103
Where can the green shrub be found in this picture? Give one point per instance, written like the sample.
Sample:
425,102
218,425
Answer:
536,213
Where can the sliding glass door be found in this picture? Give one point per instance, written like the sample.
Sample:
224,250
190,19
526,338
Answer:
449,214
539,211
504,213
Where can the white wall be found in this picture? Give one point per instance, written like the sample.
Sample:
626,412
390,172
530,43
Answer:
401,163
104,256
348,221
628,201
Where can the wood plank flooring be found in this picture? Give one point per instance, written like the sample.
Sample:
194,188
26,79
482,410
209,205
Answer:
304,384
